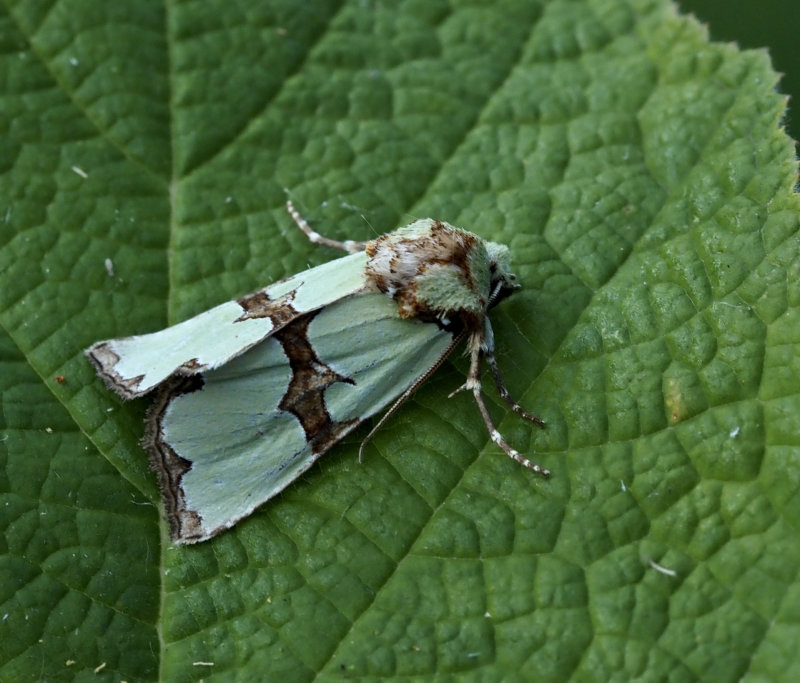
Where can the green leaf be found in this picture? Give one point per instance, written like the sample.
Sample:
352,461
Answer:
642,181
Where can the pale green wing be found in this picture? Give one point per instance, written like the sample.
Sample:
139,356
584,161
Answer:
132,366
260,421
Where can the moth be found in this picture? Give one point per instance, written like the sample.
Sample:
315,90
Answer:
250,393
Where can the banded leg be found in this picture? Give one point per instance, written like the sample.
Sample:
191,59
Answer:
501,389
473,384
350,246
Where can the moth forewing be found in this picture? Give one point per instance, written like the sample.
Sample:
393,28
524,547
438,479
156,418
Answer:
260,421
253,391
134,366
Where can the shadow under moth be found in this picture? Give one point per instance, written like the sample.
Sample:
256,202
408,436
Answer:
251,392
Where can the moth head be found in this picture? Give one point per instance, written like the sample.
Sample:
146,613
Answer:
502,281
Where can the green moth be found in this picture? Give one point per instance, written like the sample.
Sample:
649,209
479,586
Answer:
253,391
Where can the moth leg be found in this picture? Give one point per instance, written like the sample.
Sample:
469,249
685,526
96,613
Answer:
501,389
349,246
481,345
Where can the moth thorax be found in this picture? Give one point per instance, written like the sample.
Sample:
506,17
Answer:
432,270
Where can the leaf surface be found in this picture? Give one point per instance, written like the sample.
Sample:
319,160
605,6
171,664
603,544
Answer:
639,175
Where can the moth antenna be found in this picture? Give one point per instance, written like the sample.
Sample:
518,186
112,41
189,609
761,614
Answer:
350,246
503,391
371,227
407,393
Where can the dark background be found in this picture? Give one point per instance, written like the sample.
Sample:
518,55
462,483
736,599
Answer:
774,24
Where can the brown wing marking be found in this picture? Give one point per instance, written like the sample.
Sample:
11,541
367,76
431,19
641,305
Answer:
305,395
